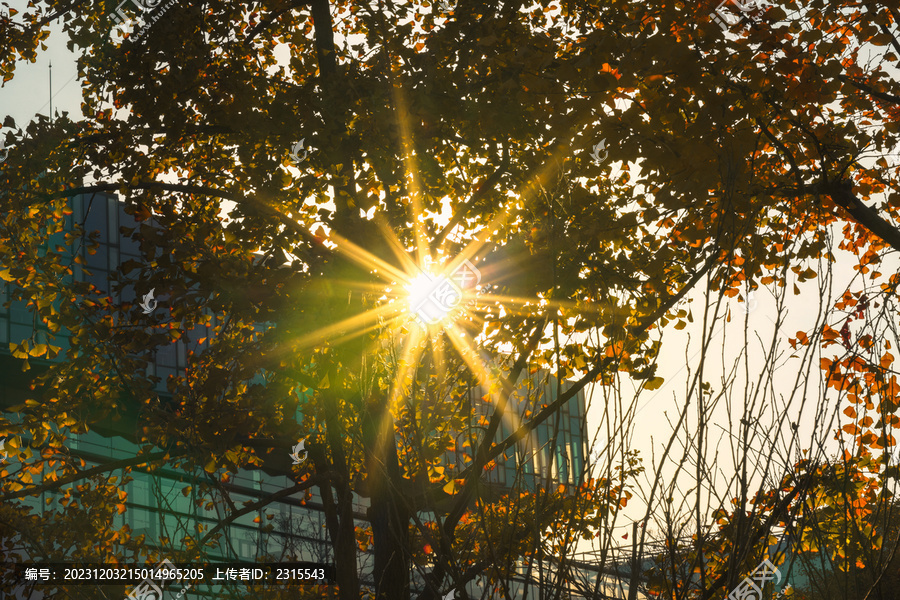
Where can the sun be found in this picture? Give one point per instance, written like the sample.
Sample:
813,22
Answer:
431,298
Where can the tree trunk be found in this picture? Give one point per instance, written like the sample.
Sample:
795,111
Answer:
388,513
344,539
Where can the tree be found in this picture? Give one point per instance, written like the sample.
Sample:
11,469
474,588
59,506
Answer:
739,151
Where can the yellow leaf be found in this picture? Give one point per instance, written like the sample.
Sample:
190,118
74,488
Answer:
38,350
654,384
450,488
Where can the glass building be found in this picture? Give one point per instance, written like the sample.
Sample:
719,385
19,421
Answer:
156,504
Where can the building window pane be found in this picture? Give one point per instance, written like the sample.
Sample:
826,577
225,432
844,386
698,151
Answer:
113,211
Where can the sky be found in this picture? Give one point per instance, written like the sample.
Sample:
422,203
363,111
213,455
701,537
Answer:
28,93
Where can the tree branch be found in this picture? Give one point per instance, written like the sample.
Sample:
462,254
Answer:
112,466
261,503
760,533
592,375
842,195
486,186
195,189
870,90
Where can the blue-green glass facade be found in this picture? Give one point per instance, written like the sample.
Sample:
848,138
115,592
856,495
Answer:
156,505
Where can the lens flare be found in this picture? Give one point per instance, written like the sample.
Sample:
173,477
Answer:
432,298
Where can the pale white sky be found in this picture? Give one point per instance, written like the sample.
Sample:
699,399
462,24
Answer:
28,92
